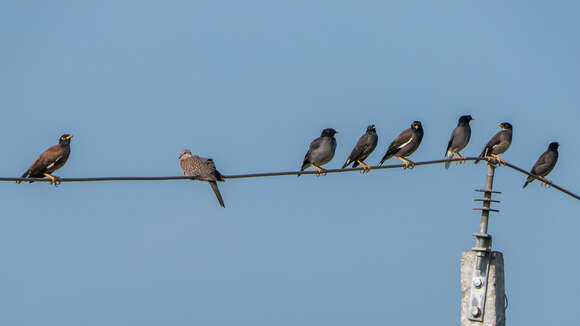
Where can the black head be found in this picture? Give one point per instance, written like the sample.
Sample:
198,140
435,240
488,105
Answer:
416,125
505,126
465,119
328,132
65,139
553,146
372,129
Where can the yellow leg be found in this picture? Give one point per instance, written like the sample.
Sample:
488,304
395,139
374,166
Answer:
499,160
366,167
461,157
318,169
546,182
53,179
407,163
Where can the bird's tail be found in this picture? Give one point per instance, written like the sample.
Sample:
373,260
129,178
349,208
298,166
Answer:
305,165
219,176
530,179
347,163
216,191
448,157
386,157
25,175
482,155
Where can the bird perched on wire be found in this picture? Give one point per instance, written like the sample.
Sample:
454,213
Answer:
321,151
50,160
499,143
459,139
364,147
545,163
202,169
405,144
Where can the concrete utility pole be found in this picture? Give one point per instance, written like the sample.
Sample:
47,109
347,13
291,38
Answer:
482,273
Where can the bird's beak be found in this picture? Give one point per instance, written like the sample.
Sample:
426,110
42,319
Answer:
472,118
69,136
336,132
500,125
374,127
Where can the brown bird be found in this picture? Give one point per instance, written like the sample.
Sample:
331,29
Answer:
50,160
202,169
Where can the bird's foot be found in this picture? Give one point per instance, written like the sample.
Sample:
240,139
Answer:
365,167
461,158
546,183
319,171
498,159
407,164
54,181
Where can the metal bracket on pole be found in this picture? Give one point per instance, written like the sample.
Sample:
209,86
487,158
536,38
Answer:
482,250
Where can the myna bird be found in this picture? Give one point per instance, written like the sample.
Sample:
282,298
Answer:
50,160
202,169
459,139
364,147
405,144
545,163
321,151
499,143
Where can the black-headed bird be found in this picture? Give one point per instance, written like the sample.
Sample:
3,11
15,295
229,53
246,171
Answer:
499,143
321,151
50,160
405,144
364,147
459,139
545,163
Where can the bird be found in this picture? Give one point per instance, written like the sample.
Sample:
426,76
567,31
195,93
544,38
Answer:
545,163
459,139
405,144
364,147
50,160
203,169
498,144
321,151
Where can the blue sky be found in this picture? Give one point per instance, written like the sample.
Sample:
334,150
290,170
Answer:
250,84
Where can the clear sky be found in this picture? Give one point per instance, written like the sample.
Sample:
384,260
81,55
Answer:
251,84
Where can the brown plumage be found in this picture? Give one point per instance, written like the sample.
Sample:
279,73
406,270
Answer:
50,160
202,169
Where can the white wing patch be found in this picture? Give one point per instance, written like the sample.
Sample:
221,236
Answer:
406,143
51,165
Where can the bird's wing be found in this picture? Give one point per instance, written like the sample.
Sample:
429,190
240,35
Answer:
208,162
46,160
402,140
313,146
360,147
450,141
544,164
496,139
211,169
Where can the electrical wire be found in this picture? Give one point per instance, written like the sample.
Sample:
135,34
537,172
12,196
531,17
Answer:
274,174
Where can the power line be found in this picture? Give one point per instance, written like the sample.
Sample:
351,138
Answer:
274,174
